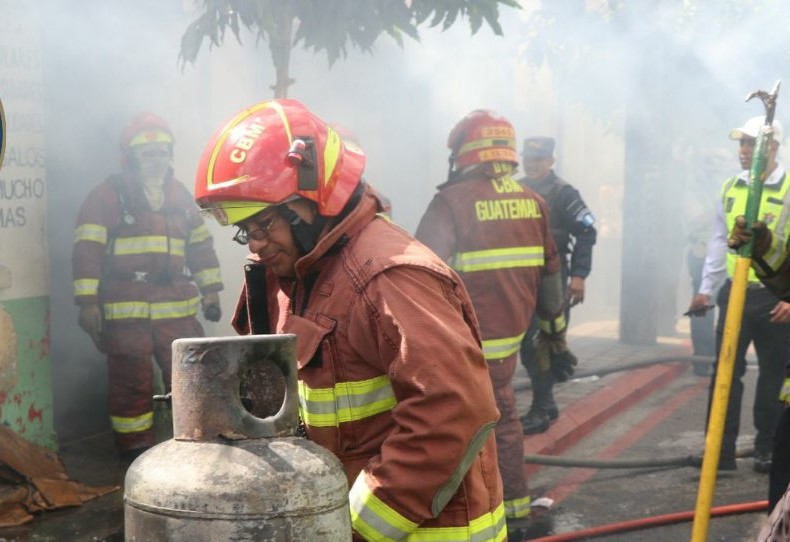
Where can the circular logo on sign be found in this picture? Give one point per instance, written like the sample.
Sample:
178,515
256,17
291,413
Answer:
2,134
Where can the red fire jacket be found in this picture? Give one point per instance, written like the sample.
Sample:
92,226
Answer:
392,379
494,233
139,263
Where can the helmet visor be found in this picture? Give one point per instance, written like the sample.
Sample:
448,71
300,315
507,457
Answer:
233,212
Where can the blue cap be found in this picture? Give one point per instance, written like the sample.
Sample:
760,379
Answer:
538,147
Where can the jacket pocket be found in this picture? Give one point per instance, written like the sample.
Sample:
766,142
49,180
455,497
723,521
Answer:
309,336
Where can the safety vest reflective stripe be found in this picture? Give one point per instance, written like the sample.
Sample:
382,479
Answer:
498,258
86,287
374,520
155,311
91,232
346,402
148,244
774,211
207,277
517,508
199,234
557,325
494,349
775,256
132,425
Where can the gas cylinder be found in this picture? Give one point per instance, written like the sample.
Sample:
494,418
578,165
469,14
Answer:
227,474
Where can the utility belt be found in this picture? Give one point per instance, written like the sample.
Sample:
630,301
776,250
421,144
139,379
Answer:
162,278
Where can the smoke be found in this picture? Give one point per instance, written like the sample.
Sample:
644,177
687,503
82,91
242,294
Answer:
105,60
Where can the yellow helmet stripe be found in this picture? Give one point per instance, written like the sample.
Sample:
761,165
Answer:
226,132
331,153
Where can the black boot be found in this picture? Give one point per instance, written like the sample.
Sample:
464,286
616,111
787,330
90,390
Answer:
543,409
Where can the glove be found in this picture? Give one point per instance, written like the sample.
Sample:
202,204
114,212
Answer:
211,308
552,355
740,235
90,322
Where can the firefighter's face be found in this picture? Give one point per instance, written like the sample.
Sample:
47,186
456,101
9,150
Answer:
153,159
275,247
536,169
746,153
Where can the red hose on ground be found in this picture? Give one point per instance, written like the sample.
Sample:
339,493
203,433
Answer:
654,521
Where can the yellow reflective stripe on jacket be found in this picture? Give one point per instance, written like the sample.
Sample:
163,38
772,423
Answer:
498,258
776,255
148,244
347,401
86,287
494,349
199,234
163,310
517,508
784,394
91,232
374,520
207,277
132,425
554,326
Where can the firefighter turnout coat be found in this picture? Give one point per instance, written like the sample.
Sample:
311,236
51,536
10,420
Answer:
392,378
146,270
495,234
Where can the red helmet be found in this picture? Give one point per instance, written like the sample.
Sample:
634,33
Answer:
482,136
145,128
271,153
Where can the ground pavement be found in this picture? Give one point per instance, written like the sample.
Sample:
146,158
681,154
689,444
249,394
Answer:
585,403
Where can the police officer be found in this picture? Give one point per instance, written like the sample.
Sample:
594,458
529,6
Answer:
572,227
766,319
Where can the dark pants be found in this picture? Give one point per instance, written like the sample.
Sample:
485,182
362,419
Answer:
779,476
771,344
703,338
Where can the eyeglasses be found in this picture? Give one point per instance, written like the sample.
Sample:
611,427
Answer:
243,236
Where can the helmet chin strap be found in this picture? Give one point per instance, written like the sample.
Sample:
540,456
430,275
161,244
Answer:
305,235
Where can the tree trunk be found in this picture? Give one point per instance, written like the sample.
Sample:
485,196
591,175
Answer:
280,47
648,283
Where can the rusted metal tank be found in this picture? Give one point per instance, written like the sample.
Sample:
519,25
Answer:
227,474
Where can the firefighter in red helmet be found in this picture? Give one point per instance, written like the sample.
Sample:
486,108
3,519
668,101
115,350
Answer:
142,259
380,324
495,234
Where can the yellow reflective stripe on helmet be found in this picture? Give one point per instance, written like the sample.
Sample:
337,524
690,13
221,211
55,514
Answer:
86,287
374,520
498,258
346,402
155,311
91,232
199,234
331,153
230,128
132,425
207,277
494,349
148,244
151,136
485,143
554,326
